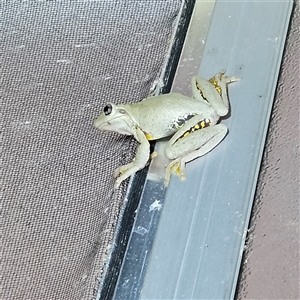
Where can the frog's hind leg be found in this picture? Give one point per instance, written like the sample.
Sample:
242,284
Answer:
201,142
214,91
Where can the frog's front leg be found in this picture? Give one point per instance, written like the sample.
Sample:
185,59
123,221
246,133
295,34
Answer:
196,138
138,163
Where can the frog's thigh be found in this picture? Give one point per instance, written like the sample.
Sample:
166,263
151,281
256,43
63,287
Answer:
214,136
196,143
192,146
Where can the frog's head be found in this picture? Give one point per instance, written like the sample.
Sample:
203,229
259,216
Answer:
114,118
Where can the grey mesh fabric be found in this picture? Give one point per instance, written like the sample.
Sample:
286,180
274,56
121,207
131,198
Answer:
61,62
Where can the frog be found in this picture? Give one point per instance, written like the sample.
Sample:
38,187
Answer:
192,123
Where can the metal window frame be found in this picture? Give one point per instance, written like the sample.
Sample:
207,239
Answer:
187,240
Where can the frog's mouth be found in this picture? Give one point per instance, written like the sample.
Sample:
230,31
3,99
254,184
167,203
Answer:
113,125
102,126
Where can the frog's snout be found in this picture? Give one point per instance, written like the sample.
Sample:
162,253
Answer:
97,123
102,125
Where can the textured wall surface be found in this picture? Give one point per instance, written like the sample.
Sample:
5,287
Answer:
61,62
271,263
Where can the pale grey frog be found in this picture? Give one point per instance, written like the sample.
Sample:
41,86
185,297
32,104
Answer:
192,123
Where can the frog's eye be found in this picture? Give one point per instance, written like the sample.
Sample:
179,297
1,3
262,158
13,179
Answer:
107,109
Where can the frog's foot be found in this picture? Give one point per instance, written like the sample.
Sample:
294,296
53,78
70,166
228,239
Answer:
177,166
122,172
220,78
156,87
122,169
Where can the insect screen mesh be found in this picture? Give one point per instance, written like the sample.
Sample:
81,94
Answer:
61,62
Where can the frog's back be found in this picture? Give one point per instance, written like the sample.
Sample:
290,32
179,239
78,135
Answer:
161,116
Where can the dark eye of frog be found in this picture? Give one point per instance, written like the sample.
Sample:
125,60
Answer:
107,109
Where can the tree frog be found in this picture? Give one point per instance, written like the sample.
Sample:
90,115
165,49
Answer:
192,124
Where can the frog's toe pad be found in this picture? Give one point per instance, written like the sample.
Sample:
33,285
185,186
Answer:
153,154
182,176
116,173
177,168
119,171
123,169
